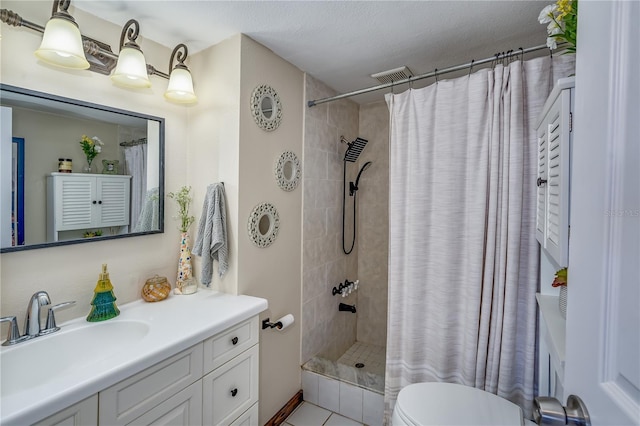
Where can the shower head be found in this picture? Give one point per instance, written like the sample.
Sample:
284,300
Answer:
354,187
354,149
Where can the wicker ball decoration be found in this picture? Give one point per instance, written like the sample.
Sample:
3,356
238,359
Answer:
156,289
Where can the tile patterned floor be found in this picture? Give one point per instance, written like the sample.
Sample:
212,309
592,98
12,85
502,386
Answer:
308,414
372,356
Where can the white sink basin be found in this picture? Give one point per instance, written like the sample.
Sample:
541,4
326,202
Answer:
47,358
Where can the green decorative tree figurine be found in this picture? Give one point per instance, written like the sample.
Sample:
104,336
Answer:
104,301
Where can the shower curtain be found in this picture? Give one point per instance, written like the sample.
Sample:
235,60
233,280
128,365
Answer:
463,258
135,159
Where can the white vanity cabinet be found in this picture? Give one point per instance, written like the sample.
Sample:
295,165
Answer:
83,413
214,382
188,360
83,201
554,135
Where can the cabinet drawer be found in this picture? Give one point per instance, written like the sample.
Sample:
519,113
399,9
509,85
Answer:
248,418
231,389
226,345
80,414
182,409
127,400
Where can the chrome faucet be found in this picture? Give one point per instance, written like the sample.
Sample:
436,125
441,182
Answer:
32,322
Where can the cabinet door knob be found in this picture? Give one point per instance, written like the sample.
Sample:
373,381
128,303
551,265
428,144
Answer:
100,202
541,182
234,341
234,392
94,201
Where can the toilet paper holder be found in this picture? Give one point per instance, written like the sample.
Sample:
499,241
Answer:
267,324
280,324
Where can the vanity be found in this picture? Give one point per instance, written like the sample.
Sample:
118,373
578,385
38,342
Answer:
186,360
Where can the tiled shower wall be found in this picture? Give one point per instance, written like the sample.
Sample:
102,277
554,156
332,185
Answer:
325,330
373,225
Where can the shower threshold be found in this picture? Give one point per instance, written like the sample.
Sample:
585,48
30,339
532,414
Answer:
369,376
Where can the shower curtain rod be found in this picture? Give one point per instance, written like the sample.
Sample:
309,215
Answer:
436,73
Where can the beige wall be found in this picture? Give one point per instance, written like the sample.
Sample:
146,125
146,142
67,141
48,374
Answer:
71,272
326,331
273,272
373,225
214,138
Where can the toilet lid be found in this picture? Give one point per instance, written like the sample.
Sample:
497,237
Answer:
451,404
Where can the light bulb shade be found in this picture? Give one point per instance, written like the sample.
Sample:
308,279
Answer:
180,87
62,45
131,69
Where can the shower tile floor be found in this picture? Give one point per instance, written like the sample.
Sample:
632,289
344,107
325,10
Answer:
372,356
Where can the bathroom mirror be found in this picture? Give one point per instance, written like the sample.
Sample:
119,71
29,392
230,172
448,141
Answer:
40,147
287,171
266,107
263,225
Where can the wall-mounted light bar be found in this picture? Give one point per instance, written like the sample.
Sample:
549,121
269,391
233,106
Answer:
63,45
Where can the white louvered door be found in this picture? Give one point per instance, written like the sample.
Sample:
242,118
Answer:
541,134
74,211
113,199
554,151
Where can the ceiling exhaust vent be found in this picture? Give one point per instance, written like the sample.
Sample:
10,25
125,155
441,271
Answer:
395,74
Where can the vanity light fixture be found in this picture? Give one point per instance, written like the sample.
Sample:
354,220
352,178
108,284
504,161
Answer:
62,42
180,87
131,69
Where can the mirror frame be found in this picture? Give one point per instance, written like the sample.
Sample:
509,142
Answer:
161,178
259,94
253,225
281,179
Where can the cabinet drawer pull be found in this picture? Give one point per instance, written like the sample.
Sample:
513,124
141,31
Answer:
234,392
541,182
234,341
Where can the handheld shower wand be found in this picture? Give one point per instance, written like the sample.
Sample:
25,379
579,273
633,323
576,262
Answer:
354,187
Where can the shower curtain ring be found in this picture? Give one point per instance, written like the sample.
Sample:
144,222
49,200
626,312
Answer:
471,67
435,73
521,55
410,84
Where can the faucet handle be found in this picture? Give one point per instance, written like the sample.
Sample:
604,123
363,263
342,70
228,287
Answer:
51,319
13,335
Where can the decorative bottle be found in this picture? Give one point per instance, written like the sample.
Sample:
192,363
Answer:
104,301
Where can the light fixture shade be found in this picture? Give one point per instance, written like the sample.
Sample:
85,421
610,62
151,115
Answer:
62,45
131,69
180,88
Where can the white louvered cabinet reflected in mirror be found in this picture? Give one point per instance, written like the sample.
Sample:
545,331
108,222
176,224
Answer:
554,135
86,203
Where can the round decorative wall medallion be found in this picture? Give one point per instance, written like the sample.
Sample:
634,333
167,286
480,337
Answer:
288,171
266,107
263,225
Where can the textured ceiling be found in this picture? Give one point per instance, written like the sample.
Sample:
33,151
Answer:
341,42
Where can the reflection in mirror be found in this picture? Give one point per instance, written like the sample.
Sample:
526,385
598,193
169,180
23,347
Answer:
287,170
264,224
48,197
267,107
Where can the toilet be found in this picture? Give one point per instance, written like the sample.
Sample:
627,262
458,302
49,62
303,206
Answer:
425,404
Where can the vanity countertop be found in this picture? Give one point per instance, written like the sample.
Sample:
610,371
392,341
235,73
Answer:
174,324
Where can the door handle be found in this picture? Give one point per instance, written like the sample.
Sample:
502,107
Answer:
549,411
